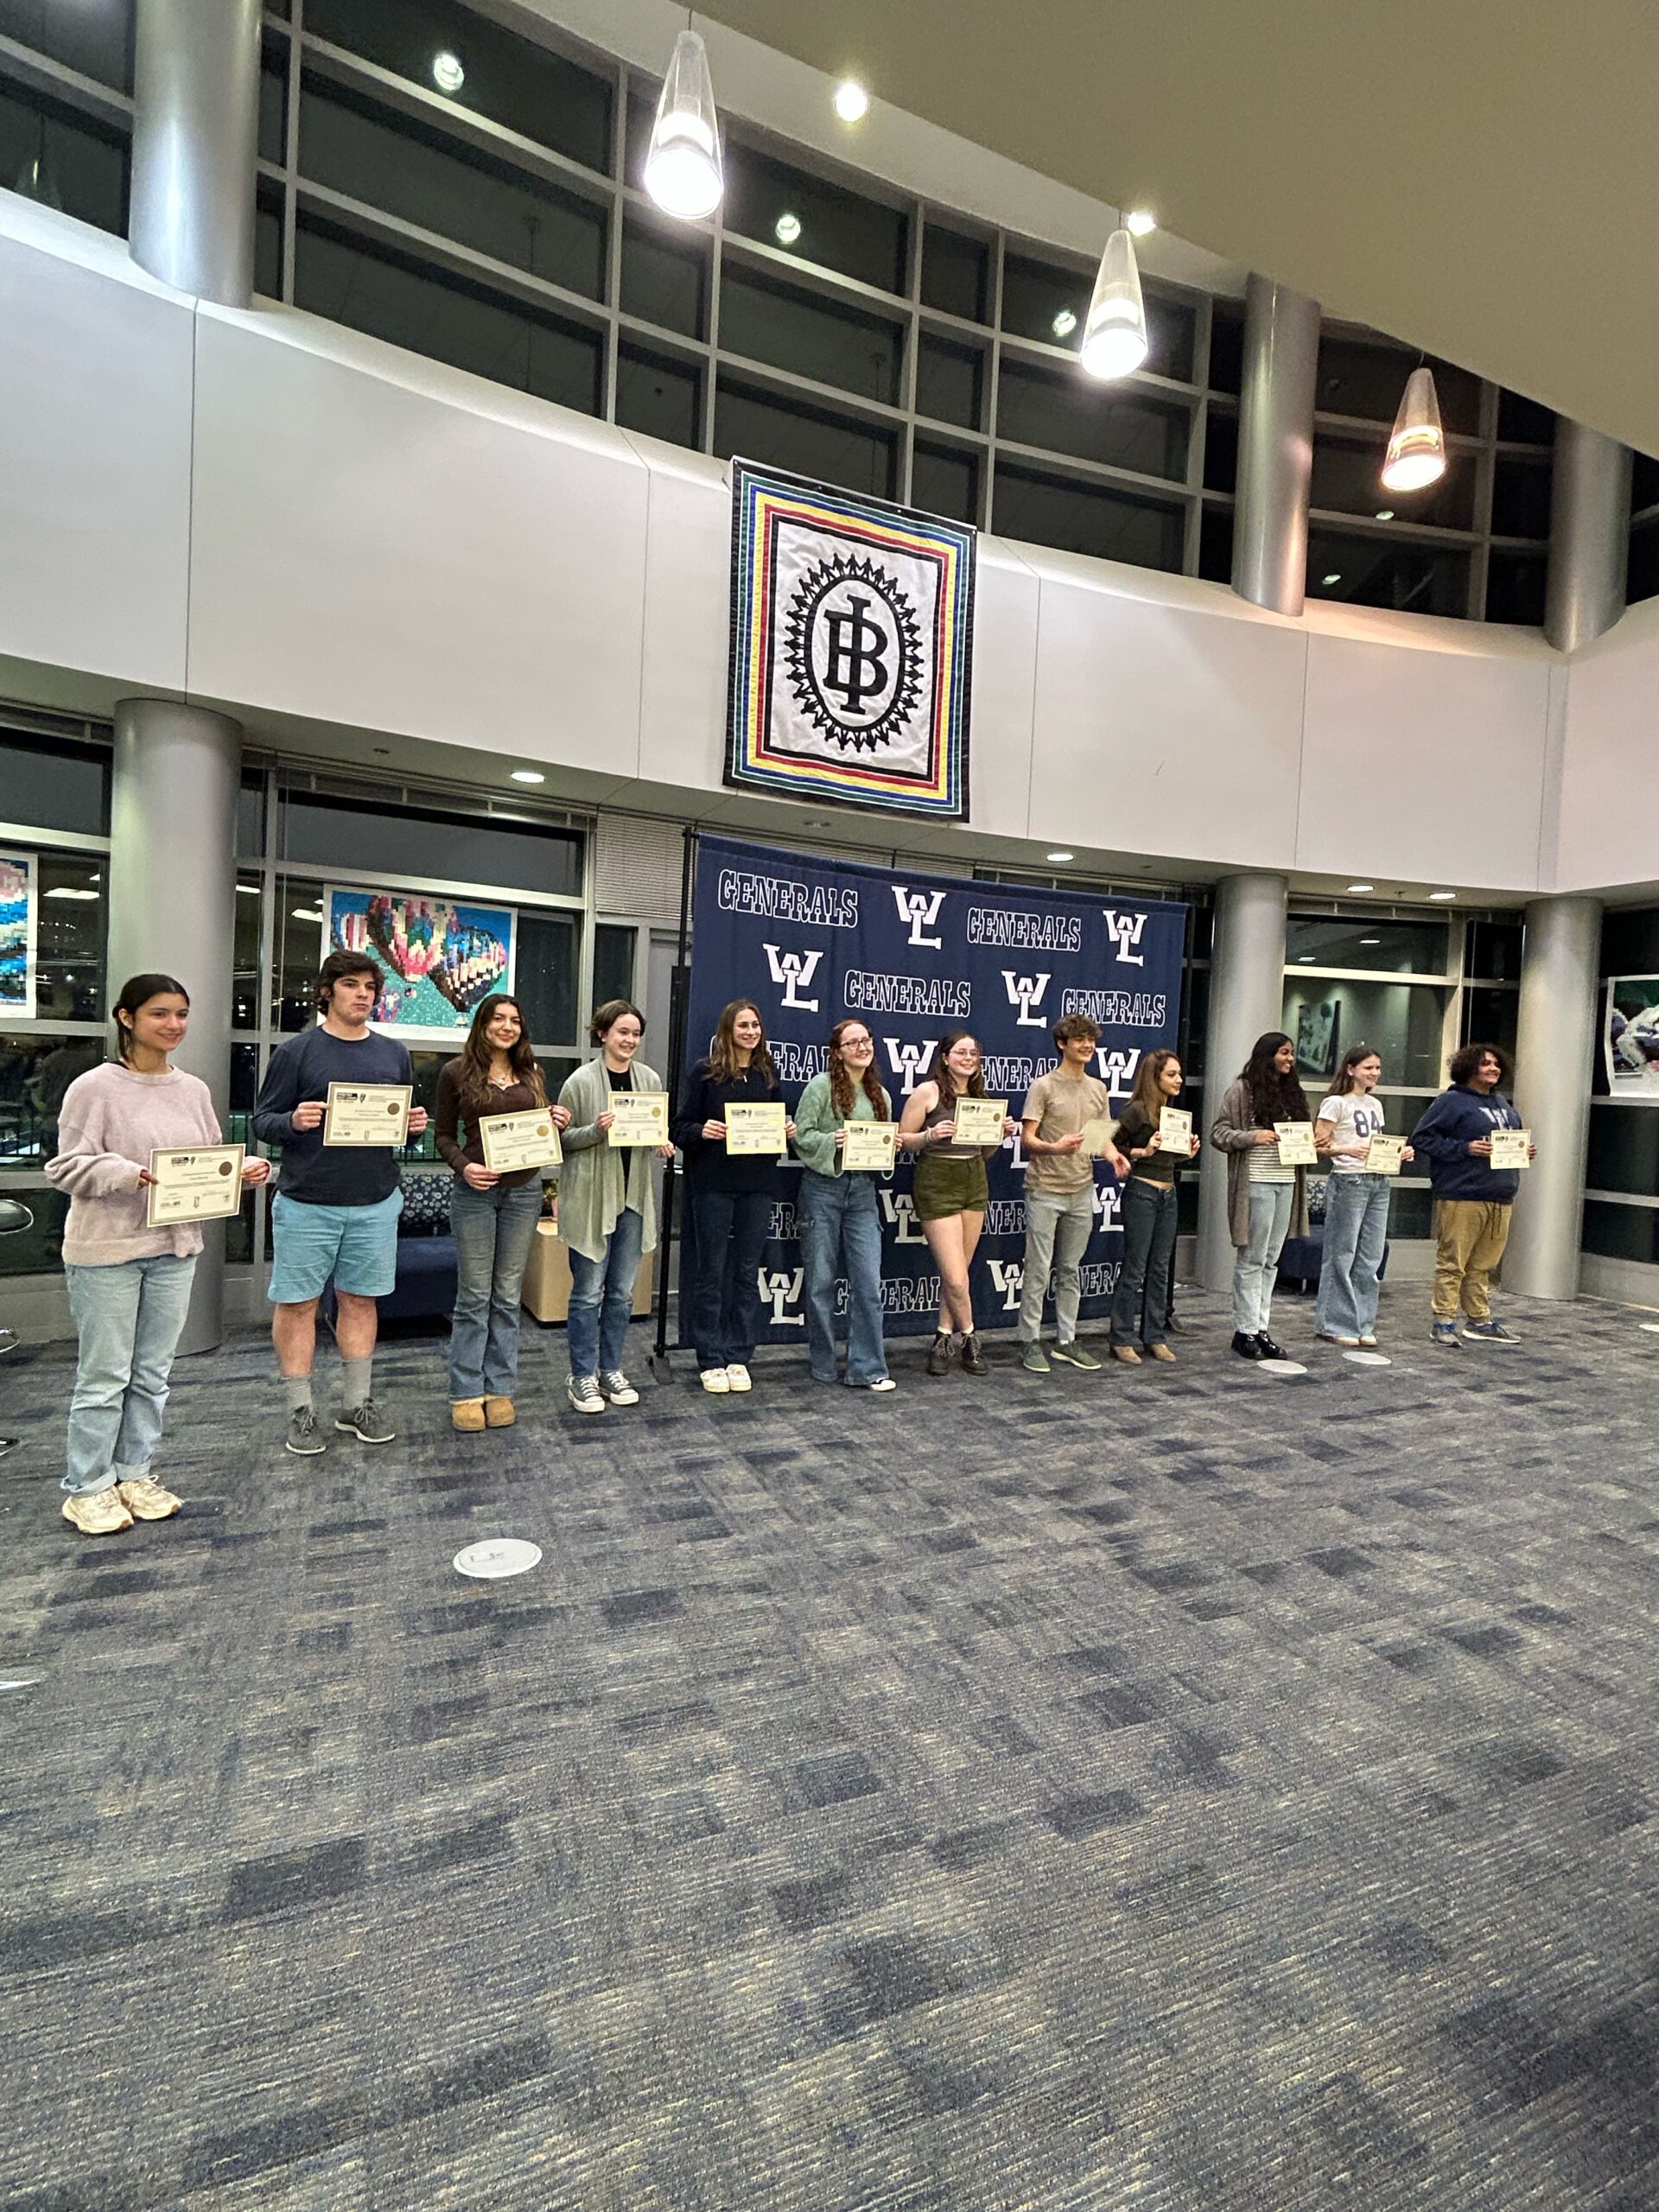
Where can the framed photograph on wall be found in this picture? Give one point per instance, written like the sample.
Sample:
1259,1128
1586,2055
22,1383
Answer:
440,955
1318,1037
1631,1037
18,889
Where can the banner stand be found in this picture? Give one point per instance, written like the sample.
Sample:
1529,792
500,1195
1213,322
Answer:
662,1360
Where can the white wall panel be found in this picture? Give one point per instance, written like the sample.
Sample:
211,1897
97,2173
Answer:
688,596
1610,778
1006,597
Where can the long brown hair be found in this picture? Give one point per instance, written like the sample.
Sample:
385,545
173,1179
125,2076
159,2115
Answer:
1273,1098
723,1045
477,1057
840,1078
1350,1060
939,1070
1148,1094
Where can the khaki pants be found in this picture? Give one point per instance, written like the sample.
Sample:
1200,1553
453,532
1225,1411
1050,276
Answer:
1471,1235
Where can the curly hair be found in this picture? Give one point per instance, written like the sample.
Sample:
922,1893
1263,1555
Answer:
1465,1064
840,1078
1274,1098
939,1070
477,1057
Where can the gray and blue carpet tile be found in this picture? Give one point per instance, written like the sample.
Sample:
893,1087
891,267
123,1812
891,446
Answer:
1182,1790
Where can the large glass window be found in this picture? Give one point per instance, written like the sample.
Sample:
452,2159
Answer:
816,221
1346,473
92,37
765,426
1047,300
1056,410
1410,575
1365,376
811,335
56,153
1344,941
956,273
1402,1021
345,835
665,275
659,394
53,784
1086,517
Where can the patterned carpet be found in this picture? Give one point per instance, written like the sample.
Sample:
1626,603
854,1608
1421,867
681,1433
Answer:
1184,1790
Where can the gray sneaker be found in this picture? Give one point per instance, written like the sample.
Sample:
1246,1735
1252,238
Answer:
583,1390
1074,1355
1489,1332
1033,1358
621,1392
303,1434
367,1422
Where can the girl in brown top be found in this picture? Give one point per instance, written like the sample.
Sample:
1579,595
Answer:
950,1191
493,1216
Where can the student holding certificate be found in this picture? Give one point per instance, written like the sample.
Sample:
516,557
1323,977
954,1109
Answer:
129,1283
1063,1127
1266,1199
607,1207
950,1190
1157,1152
836,1211
337,1202
1356,1201
729,1193
492,1210
1474,1199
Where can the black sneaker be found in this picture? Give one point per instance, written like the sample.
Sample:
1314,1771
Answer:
367,1423
1269,1350
1246,1347
303,1434
973,1359
942,1356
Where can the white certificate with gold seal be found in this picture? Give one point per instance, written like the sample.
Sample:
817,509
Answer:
367,1113
754,1127
197,1183
870,1145
1384,1155
529,1138
979,1120
1174,1129
1296,1147
1511,1148
641,1117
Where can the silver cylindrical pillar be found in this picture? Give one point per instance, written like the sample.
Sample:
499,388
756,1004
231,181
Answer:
173,904
1247,996
1589,536
195,133
1276,446
1554,1057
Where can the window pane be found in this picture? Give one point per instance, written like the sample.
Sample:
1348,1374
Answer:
1347,477
375,289
814,337
250,817
1387,572
1046,300
956,273
544,975
1630,941
1087,518
838,229
463,849
512,80
664,279
244,1083
299,952
1395,948
945,480
1520,498
1367,376
1400,1020
376,155
38,1250
1644,482
1065,412
1226,347
34,1073
1215,544
1642,580
273,100
63,158
268,247
950,381
1220,451
1615,1232
613,963
661,396
1515,585
1624,1149
859,457
245,953
1524,420
1491,1017
74,923
1494,952
97,42
52,783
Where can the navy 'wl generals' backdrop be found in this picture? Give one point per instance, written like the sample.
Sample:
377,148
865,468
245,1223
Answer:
811,941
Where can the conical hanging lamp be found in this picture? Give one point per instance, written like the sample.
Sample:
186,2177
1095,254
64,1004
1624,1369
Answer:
1114,329
1416,454
683,165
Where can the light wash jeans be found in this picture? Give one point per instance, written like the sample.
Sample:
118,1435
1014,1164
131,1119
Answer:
601,1299
1140,1306
1356,1233
1257,1263
493,1231
129,1318
1058,1226
838,1218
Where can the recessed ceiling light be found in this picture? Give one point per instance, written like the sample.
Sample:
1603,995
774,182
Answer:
1304,955
1385,514
1335,577
447,72
69,891
1062,856
1442,895
1362,886
247,891
787,228
1064,323
1139,221
527,776
307,913
1370,940
852,101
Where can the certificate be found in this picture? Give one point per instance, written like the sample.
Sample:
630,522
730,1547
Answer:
526,1140
755,1127
979,1120
1295,1144
1175,1130
367,1113
194,1186
869,1144
1099,1137
1511,1148
1383,1154
641,1117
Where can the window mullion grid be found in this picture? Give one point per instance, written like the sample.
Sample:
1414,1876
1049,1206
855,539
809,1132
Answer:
291,156
913,347
711,388
614,241
1485,472
988,491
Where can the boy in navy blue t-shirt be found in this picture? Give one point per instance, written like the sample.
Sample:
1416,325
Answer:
1474,1201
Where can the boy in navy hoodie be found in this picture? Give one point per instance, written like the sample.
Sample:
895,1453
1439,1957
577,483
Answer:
1473,1199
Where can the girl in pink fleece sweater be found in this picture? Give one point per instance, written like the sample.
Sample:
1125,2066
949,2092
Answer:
129,1284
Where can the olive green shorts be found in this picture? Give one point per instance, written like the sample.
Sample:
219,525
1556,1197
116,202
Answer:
944,1186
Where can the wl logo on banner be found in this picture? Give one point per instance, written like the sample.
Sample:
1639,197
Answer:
812,941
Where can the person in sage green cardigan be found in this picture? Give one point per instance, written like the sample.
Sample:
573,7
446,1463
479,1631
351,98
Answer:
837,1213
607,1208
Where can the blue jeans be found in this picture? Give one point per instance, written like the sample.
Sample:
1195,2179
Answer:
493,1231
1257,1264
1356,1233
840,1221
601,1299
1140,1306
129,1318
730,1228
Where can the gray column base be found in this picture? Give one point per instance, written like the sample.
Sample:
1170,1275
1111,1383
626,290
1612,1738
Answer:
1555,1050
1247,996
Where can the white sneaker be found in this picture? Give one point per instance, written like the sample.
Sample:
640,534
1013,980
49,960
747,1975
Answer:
737,1378
714,1381
583,1394
617,1389
886,1383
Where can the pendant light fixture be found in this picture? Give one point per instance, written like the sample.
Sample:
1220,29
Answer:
1416,454
1114,329
682,164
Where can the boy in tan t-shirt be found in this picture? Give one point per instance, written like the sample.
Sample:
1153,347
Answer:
1059,1191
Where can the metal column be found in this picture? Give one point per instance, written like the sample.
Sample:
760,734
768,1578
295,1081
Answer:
194,145
1589,536
1555,1051
1247,996
1276,446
